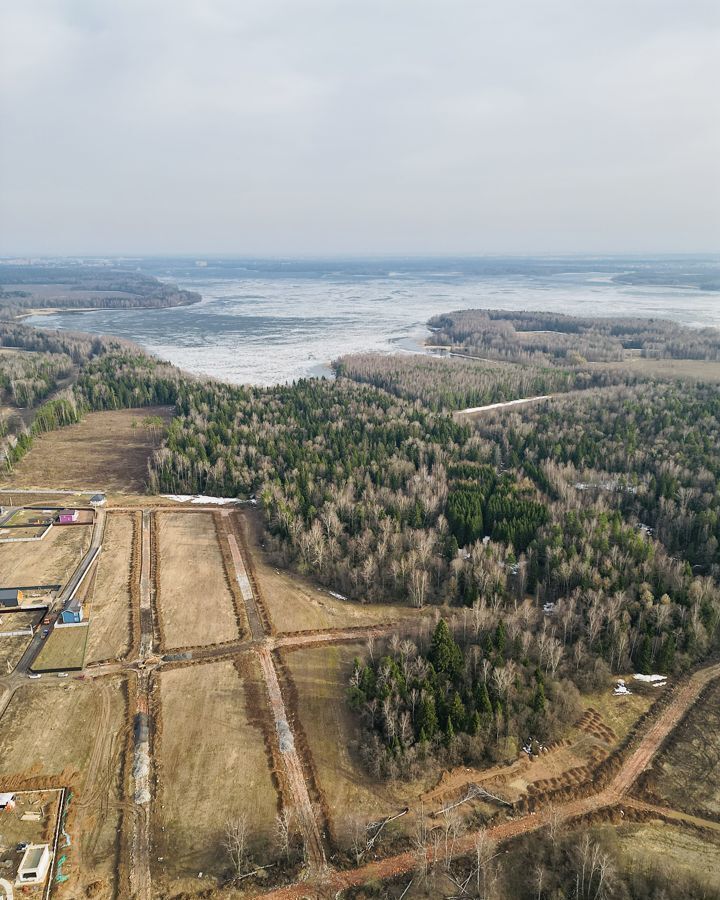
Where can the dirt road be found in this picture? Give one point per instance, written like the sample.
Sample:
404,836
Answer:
471,410
613,795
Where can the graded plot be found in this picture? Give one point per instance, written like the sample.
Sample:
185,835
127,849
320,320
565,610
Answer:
73,734
212,768
194,599
353,799
110,597
50,561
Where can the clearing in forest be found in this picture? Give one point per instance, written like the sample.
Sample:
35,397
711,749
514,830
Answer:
73,734
293,603
109,601
194,599
106,451
212,767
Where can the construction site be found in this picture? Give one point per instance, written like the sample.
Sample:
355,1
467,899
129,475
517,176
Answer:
151,648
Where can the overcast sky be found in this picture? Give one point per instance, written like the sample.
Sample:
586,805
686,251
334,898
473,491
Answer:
359,126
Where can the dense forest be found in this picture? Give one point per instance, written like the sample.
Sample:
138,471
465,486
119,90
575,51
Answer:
65,286
452,383
545,338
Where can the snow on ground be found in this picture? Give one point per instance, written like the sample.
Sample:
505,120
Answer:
651,679
201,498
620,688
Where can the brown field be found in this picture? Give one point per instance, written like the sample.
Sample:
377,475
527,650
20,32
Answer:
64,648
108,604
621,713
196,606
11,651
106,451
294,603
73,734
9,535
353,799
686,776
50,561
212,765
669,850
12,621
690,369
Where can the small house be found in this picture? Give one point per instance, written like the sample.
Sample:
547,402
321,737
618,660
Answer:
97,500
34,865
7,801
72,614
68,516
10,597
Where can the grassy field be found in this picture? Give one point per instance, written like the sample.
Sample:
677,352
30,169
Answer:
622,712
50,561
353,799
196,606
108,604
106,451
73,733
11,651
686,776
213,767
670,851
295,604
64,648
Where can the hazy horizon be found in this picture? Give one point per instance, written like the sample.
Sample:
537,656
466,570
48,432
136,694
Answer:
323,129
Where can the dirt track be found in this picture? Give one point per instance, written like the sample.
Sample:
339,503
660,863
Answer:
611,796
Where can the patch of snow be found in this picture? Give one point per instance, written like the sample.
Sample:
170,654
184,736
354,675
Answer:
651,679
620,688
548,608
337,596
202,499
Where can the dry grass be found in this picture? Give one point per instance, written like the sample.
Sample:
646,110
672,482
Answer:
196,606
352,798
108,606
103,452
64,648
687,369
212,766
50,561
11,651
687,774
622,712
294,603
73,733
671,851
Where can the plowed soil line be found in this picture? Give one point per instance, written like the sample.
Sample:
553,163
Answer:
631,768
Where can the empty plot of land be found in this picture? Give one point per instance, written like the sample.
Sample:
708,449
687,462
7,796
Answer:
64,648
11,651
293,603
321,676
212,765
108,604
107,450
665,849
196,606
73,733
686,776
50,561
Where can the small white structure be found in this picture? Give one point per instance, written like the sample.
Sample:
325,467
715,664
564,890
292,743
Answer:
34,865
7,801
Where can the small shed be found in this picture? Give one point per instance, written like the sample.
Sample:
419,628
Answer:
10,596
72,614
7,801
68,516
97,500
34,865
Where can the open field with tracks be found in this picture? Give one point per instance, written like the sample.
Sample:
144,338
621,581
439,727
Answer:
107,450
212,767
108,606
194,598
